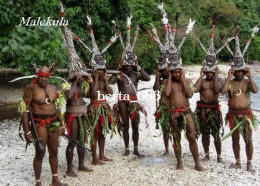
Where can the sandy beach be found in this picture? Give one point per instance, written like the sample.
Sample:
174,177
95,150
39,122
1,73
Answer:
154,169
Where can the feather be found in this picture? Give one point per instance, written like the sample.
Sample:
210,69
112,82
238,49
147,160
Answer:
190,26
254,30
89,22
128,20
164,14
61,7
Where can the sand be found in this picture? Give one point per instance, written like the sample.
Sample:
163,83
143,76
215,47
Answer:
155,169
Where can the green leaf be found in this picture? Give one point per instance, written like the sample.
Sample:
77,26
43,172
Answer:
27,47
6,48
13,44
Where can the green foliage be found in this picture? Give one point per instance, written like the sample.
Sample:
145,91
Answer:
20,45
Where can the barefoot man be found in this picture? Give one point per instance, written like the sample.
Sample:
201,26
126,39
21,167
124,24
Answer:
76,109
208,108
99,112
39,98
240,117
162,115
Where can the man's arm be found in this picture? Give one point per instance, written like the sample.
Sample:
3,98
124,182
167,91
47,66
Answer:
225,87
217,83
168,88
252,85
157,81
113,79
71,92
144,75
187,85
107,87
198,83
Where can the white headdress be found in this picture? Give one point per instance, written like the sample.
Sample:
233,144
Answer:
128,56
239,62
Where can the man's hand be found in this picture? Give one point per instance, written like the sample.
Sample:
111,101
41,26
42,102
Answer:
231,73
202,72
216,71
248,72
89,79
61,130
95,74
169,73
28,136
105,76
183,75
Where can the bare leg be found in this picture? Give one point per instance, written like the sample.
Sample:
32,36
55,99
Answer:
218,144
53,143
39,155
177,151
206,142
124,116
249,150
236,149
166,142
101,144
193,144
135,135
70,148
95,160
81,156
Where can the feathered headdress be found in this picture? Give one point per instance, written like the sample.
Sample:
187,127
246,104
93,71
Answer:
128,56
97,60
169,48
76,66
211,54
239,62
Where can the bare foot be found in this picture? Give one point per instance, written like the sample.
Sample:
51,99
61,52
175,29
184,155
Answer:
105,159
198,167
71,173
236,166
206,158
85,169
97,162
38,183
58,183
166,153
219,160
137,153
250,168
179,166
127,152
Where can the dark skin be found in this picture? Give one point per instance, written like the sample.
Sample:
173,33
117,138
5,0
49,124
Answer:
100,83
125,88
178,91
209,89
72,104
39,106
161,79
239,100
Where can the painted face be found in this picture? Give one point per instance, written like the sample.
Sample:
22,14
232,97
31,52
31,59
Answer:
239,75
99,60
209,75
238,62
130,58
210,60
174,58
127,69
176,74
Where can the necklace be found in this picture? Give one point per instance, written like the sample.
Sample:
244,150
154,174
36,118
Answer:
48,100
128,84
239,89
